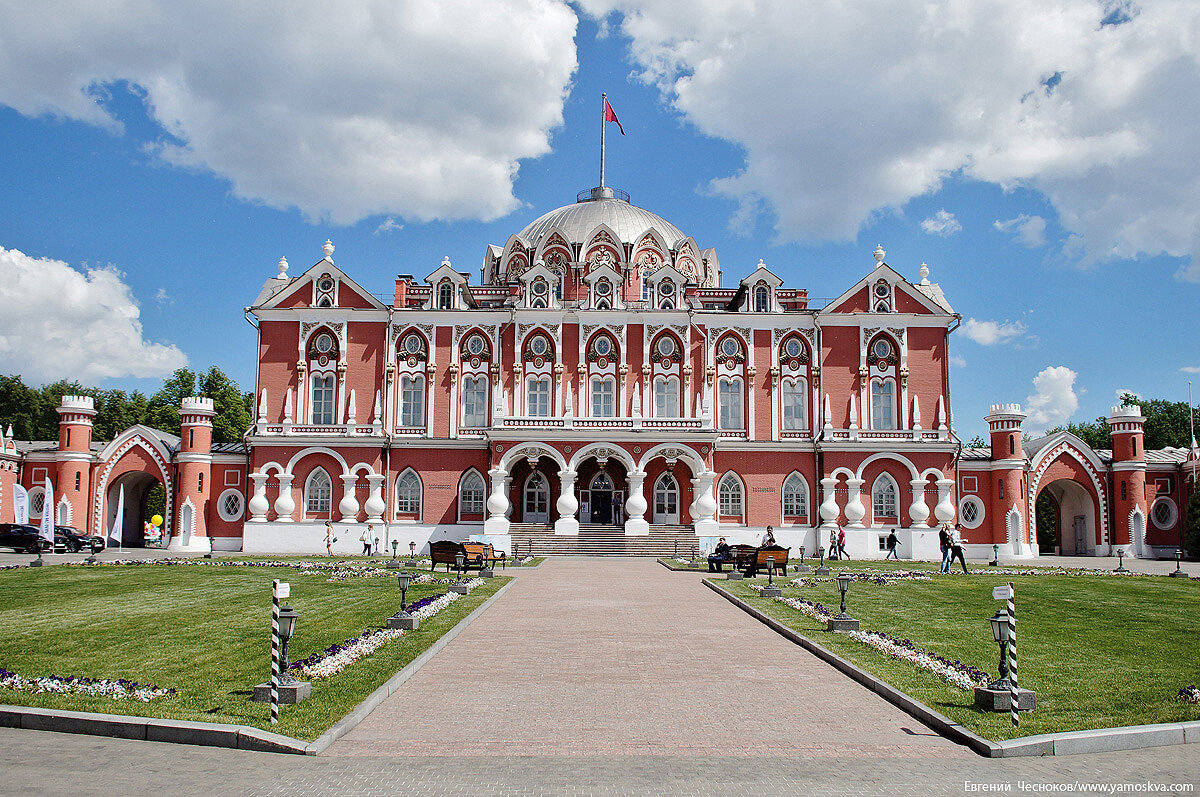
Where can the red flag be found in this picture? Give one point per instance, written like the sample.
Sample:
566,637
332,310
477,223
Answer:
611,116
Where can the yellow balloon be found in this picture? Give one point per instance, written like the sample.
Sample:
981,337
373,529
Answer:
156,520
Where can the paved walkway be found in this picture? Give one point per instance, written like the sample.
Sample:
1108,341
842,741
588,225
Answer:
614,657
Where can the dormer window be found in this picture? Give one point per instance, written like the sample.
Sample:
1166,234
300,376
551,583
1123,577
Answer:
325,286
445,295
883,297
603,291
762,299
666,295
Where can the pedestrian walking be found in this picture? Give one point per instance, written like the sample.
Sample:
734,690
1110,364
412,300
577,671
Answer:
833,543
616,509
366,541
944,542
842,552
956,549
329,538
892,542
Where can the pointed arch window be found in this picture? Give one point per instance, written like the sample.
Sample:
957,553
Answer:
445,295
883,498
795,497
408,493
666,397
322,402
729,397
883,404
471,494
318,493
666,498
792,399
474,402
729,496
762,299
412,400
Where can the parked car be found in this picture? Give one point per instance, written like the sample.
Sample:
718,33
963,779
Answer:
75,540
22,537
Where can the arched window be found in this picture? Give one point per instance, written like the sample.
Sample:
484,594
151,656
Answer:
474,402
471,494
408,493
445,295
537,498
538,404
666,397
604,397
795,497
647,288
793,404
883,498
37,501
729,496
322,400
666,499
666,295
318,493
729,396
883,404
762,299
412,400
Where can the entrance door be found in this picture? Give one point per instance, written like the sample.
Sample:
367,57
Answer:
601,495
1080,545
537,499
666,500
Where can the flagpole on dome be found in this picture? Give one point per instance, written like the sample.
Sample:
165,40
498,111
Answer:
603,127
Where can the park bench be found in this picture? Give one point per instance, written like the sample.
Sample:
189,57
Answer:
739,555
758,561
445,552
484,552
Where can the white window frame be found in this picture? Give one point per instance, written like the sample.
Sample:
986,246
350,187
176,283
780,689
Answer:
538,387
666,397
730,401
316,504
406,501
797,391
474,401
472,505
1163,500
762,298
727,500
230,517
445,295
879,497
322,407
602,398
665,485
878,405
798,498
412,400
980,511
37,494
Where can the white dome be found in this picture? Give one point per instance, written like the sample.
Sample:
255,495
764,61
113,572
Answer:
600,206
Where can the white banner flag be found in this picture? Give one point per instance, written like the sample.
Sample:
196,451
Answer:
20,504
118,527
47,527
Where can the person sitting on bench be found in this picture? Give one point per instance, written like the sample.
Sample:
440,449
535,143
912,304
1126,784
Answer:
719,556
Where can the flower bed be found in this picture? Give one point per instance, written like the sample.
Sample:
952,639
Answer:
1189,694
119,689
338,657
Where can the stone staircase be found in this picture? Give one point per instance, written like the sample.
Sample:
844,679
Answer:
597,540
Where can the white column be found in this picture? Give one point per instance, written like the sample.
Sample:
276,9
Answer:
704,506
829,508
375,504
855,511
284,505
497,504
944,511
258,504
567,504
635,506
348,506
919,510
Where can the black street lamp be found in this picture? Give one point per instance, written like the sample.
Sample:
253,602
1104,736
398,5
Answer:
395,545
1121,561
843,582
287,627
403,581
675,550
842,621
459,560
1178,573
402,619
822,570
1000,631
995,556
801,554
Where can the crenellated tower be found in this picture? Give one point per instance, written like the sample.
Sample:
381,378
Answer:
72,482
1011,525
1130,508
195,472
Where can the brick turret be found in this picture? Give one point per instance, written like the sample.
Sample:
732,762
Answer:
195,472
1008,472
1130,508
72,481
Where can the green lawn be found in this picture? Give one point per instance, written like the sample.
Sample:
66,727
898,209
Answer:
204,630
1101,651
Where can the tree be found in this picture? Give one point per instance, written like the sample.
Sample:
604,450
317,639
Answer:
1095,434
1167,422
978,442
19,406
1191,527
233,407
163,412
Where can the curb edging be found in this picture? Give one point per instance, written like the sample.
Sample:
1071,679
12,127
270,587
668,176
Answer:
215,734
1099,740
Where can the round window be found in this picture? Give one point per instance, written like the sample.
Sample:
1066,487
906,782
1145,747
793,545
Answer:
324,343
603,346
1163,513
881,290
230,506
539,288
325,285
666,288
792,348
475,345
729,347
970,512
666,346
882,349
412,344
538,346
603,288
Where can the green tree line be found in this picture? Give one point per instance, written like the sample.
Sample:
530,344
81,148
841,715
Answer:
32,411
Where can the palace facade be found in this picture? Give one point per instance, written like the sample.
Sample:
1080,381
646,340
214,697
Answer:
603,371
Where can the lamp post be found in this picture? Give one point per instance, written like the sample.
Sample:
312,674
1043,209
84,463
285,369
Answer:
287,627
802,568
995,556
1178,573
402,619
843,621
394,562
460,560
771,591
282,688
375,550
998,696
412,552
999,623
675,549
1121,562
822,570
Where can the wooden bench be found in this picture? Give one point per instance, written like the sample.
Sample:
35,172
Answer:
445,552
739,555
759,560
484,552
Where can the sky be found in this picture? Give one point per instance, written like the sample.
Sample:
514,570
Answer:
159,159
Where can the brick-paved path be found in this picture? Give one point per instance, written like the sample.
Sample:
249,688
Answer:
623,657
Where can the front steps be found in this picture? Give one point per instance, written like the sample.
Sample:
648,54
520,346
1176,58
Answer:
597,540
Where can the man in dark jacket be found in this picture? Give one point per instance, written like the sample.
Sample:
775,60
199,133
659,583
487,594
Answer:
719,556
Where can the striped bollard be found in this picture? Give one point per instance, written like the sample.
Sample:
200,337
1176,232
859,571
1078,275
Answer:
1012,652
275,652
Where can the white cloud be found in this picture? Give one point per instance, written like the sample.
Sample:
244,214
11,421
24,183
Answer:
1121,392
421,109
388,225
941,223
958,361
1191,369
1030,230
1053,401
989,333
837,126
60,323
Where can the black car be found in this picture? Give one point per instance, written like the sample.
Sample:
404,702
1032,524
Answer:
75,540
22,537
